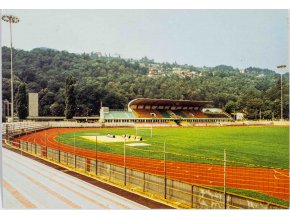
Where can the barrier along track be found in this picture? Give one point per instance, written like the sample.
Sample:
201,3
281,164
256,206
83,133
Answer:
184,184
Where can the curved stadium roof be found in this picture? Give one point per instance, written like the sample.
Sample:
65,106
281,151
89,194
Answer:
167,102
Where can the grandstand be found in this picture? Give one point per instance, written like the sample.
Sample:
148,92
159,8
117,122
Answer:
164,112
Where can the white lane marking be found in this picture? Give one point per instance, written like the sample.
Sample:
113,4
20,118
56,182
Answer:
281,173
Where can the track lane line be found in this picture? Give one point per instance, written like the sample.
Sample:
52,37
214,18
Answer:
65,186
281,173
53,193
18,196
71,180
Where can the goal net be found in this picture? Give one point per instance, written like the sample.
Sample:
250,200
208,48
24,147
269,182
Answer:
145,132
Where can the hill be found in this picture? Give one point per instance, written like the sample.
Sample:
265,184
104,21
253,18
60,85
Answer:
116,81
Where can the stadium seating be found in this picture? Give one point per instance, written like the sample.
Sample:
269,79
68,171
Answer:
119,115
168,124
199,114
164,113
180,113
194,114
173,114
217,115
141,113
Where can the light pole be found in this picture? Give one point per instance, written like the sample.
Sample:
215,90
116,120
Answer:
165,180
11,19
96,150
125,161
281,67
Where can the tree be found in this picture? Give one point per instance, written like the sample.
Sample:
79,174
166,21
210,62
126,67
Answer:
117,81
114,101
46,99
70,100
230,107
57,109
22,102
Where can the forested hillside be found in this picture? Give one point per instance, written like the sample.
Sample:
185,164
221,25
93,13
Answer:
116,81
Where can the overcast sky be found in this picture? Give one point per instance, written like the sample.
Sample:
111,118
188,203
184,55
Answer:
240,38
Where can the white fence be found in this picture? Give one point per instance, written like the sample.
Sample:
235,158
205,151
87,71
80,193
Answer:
20,127
72,124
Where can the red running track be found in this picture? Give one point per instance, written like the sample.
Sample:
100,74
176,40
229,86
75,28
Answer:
274,182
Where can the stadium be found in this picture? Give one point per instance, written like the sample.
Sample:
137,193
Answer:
164,112
176,151
89,129
148,112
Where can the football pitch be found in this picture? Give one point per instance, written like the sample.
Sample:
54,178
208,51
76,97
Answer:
250,146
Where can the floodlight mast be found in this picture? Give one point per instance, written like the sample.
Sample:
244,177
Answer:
281,67
11,19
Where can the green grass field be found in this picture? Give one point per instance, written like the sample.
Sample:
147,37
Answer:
265,146
261,146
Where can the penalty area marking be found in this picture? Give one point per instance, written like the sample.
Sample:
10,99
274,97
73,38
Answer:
103,138
118,138
138,144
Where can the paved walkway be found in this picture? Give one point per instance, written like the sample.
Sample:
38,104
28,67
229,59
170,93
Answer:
30,184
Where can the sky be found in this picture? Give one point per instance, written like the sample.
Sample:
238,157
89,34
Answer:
239,38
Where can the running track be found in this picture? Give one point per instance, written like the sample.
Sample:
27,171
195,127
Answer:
274,182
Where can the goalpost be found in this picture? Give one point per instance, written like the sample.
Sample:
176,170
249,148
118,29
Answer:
139,129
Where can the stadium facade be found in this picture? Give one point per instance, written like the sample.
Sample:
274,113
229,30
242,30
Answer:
164,112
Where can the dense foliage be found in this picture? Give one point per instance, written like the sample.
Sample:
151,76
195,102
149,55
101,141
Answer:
70,100
22,102
116,81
